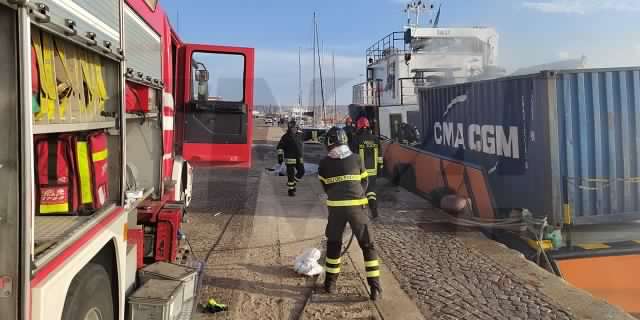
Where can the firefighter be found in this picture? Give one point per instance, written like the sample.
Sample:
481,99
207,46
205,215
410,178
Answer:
408,134
368,147
349,130
344,180
290,149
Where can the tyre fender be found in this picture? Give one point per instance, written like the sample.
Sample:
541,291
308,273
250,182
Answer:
90,294
183,177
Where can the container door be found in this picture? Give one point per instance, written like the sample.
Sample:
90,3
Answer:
218,104
9,166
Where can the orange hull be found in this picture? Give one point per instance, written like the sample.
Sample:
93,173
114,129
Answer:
432,172
612,278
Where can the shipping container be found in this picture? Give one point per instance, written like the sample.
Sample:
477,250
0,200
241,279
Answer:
562,144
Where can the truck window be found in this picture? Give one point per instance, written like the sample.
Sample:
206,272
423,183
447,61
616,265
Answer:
217,77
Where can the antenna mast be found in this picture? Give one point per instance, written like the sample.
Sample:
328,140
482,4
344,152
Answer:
416,8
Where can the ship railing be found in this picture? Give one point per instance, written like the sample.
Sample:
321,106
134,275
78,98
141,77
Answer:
367,93
391,44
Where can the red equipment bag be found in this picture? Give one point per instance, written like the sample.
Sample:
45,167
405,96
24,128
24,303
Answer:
98,147
56,185
137,98
84,169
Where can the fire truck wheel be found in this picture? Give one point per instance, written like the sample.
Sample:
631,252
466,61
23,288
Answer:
89,296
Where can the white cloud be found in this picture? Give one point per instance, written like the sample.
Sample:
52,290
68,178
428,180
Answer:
563,55
557,6
582,6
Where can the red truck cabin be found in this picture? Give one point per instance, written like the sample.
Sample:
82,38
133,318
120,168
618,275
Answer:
215,107
213,91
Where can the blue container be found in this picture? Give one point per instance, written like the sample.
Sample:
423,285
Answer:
550,142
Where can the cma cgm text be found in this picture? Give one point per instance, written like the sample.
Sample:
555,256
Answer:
489,139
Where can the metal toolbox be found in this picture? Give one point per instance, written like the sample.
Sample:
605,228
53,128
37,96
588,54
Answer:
157,300
164,270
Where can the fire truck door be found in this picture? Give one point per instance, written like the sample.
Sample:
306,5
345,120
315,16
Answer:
10,287
218,95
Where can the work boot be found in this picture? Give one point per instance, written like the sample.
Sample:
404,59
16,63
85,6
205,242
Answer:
375,289
374,212
292,193
331,283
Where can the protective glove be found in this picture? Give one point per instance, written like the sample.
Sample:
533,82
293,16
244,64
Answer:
213,307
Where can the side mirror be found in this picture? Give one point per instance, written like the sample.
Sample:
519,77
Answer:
202,75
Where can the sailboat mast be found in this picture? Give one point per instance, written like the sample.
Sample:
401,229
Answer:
313,90
321,80
300,78
335,93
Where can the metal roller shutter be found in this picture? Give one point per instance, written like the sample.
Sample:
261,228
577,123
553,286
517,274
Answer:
105,10
101,17
143,46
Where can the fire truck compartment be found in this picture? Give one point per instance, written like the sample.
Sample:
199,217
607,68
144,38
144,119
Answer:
144,151
55,233
50,230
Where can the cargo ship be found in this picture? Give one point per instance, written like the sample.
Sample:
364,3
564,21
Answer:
552,153
422,55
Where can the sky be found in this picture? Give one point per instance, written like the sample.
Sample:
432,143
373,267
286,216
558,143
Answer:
531,32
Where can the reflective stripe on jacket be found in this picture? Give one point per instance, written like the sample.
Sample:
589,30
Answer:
344,181
290,147
368,148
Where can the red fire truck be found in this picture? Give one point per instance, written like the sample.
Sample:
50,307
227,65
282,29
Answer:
95,177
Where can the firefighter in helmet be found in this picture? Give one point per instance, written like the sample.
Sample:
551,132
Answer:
344,180
367,145
408,134
349,130
290,149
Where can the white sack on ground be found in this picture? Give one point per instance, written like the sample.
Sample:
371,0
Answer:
307,263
